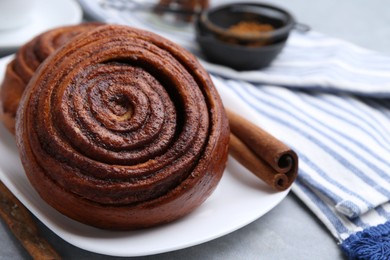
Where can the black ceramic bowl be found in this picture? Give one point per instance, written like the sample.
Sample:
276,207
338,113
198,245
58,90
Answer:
219,19
251,51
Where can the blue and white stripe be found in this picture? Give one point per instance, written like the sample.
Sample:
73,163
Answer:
327,99
343,161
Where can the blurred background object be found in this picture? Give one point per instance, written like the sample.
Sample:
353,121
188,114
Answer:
41,16
186,6
15,13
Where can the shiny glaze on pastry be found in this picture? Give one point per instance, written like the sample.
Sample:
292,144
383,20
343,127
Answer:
122,129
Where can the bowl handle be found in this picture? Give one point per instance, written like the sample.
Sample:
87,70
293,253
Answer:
301,27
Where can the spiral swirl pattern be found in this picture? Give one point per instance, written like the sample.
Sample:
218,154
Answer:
122,129
27,60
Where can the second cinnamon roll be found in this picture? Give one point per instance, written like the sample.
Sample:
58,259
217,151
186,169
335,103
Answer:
28,58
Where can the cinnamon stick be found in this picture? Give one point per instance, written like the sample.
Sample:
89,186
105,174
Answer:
22,225
261,153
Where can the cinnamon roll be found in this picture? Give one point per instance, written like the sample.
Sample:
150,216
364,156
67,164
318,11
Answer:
20,70
122,129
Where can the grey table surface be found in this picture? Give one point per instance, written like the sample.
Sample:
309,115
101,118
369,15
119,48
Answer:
290,230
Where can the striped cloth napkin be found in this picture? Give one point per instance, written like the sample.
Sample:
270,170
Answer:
327,99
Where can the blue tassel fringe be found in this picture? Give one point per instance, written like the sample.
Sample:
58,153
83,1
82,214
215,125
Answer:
372,243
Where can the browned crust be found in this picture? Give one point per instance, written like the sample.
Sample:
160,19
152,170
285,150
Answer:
101,205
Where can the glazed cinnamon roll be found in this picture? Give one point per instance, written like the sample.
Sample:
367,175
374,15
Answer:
122,129
20,70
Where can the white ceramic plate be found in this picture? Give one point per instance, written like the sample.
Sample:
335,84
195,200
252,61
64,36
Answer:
239,199
47,14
